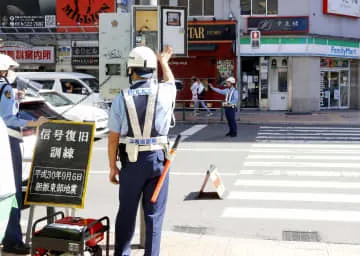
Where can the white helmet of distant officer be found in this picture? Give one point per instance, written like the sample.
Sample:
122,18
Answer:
7,66
141,64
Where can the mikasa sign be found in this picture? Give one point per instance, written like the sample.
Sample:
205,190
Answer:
349,8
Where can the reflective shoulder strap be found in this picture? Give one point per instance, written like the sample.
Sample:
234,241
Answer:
134,121
2,89
149,116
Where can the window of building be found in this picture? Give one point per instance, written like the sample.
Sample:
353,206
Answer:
198,7
163,2
259,7
146,2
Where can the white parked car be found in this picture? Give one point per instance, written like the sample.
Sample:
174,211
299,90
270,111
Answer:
84,87
31,108
80,113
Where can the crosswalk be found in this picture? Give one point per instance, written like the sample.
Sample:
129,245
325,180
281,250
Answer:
304,178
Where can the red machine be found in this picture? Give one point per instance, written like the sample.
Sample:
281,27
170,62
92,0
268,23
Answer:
70,235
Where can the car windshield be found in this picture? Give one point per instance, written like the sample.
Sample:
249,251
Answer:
33,110
56,99
93,83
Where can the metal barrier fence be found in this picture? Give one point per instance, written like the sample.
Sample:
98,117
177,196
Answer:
181,105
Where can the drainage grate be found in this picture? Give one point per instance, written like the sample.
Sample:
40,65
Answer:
304,236
190,229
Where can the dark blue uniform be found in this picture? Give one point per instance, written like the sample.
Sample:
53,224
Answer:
231,99
140,177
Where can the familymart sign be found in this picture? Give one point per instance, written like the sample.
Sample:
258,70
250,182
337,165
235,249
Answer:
301,46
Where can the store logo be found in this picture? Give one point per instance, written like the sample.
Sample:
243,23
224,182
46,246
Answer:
342,51
87,15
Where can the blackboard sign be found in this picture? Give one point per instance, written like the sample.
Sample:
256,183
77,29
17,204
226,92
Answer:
60,164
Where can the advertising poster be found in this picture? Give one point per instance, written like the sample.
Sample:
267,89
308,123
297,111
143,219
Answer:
81,15
146,25
26,15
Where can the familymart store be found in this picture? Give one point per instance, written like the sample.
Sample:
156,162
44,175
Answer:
299,74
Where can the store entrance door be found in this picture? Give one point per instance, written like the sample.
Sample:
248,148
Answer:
335,89
278,79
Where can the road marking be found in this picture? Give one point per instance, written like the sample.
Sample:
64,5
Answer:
303,164
308,151
302,157
191,131
200,149
230,174
317,133
309,137
291,197
291,214
310,128
306,141
297,184
299,145
302,173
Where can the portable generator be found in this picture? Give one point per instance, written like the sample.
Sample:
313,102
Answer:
70,236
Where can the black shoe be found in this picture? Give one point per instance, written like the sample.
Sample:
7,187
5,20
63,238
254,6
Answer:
233,135
228,134
17,249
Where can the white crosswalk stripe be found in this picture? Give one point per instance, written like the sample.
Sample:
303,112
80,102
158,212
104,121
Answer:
308,177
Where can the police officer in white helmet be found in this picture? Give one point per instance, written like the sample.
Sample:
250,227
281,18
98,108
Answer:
231,100
9,107
140,118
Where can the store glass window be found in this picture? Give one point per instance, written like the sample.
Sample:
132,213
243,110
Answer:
198,7
282,81
259,7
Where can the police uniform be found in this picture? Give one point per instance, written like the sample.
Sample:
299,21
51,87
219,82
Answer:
9,108
142,115
231,99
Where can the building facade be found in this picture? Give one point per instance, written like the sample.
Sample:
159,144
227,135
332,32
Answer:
306,58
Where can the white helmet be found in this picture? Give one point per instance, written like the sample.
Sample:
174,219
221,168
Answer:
142,57
6,62
231,80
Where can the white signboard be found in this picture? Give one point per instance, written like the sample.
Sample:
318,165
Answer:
342,7
173,29
114,48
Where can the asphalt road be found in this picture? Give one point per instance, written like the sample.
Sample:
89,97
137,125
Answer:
282,182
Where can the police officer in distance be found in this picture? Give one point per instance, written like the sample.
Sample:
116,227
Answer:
9,107
140,118
231,100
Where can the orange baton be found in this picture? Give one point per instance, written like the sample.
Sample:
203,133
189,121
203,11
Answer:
165,171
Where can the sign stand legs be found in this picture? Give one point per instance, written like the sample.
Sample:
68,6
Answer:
29,225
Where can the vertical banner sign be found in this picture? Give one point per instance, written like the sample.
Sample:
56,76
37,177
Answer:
81,15
173,29
60,165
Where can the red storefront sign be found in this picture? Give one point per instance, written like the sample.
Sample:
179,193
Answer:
30,55
81,15
211,56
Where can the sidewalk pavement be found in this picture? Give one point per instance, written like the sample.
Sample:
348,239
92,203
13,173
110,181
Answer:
185,244
326,117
